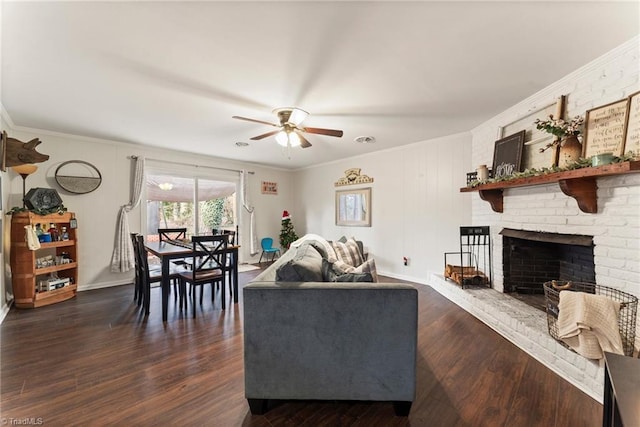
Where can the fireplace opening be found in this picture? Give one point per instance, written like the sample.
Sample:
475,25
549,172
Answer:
531,258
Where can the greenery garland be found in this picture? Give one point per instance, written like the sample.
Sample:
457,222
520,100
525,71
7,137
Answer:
57,209
579,164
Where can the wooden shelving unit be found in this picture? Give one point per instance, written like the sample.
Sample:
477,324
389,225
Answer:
579,184
24,273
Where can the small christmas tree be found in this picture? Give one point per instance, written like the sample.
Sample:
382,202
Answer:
287,234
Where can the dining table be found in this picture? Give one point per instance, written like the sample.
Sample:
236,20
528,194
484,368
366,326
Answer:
169,250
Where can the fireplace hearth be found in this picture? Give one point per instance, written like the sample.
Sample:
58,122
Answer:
531,258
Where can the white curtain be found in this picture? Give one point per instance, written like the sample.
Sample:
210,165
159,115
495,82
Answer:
122,258
253,246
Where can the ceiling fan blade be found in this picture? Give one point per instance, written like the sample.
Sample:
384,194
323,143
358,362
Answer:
304,143
265,135
320,131
254,120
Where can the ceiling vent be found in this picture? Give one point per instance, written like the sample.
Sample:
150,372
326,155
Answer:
365,140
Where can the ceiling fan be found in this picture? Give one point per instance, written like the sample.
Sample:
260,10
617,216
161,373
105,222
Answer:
289,132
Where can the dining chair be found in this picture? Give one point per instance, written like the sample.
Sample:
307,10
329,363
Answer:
208,266
229,261
267,248
146,275
169,234
231,233
137,283
173,234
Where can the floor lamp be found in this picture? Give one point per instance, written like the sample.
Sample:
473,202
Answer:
24,170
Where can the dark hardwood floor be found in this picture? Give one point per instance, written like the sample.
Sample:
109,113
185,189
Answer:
95,360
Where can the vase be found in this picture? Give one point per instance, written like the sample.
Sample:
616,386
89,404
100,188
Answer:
570,151
483,173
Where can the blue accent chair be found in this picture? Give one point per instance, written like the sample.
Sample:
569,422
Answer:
267,248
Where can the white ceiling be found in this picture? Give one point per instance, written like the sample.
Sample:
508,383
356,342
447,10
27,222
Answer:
172,74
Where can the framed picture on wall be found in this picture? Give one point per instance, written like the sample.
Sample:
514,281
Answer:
507,155
632,127
353,207
604,129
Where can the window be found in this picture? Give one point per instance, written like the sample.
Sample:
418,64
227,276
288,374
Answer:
171,204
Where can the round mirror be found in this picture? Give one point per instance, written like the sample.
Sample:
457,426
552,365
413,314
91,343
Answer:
78,176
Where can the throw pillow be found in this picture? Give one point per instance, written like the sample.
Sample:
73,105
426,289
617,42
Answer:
305,266
348,252
369,266
343,239
333,273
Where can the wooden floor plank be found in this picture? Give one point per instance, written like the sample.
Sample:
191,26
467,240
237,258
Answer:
95,360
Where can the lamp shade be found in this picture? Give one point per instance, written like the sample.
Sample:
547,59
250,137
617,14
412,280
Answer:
25,169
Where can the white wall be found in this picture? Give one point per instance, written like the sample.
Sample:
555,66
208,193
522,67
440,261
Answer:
97,211
417,208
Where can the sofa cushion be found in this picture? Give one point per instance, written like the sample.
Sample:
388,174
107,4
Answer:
305,266
348,252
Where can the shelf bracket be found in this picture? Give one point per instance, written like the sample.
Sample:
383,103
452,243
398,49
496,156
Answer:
584,190
494,197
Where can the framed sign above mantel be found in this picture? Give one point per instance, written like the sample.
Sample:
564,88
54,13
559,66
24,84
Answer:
604,129
632,128
507,155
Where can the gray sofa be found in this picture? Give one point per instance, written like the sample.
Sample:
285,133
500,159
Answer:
329,341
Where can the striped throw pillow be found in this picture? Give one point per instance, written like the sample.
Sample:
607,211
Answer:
348,252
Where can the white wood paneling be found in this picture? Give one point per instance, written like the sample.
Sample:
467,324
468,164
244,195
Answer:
417,206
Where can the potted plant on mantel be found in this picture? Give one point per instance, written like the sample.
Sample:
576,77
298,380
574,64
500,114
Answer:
567,133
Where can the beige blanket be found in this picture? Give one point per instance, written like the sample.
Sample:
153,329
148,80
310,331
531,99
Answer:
588,323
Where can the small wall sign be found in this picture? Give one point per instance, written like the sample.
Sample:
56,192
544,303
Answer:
352,176
269,187
507,155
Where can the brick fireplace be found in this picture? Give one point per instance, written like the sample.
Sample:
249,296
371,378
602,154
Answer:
530,258
613,229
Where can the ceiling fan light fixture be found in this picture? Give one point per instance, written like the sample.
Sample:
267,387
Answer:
288,139
297,116
294,139
282,138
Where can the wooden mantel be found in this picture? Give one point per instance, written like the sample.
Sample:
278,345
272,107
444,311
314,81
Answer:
578,183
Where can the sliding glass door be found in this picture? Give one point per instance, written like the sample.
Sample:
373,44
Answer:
197,204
